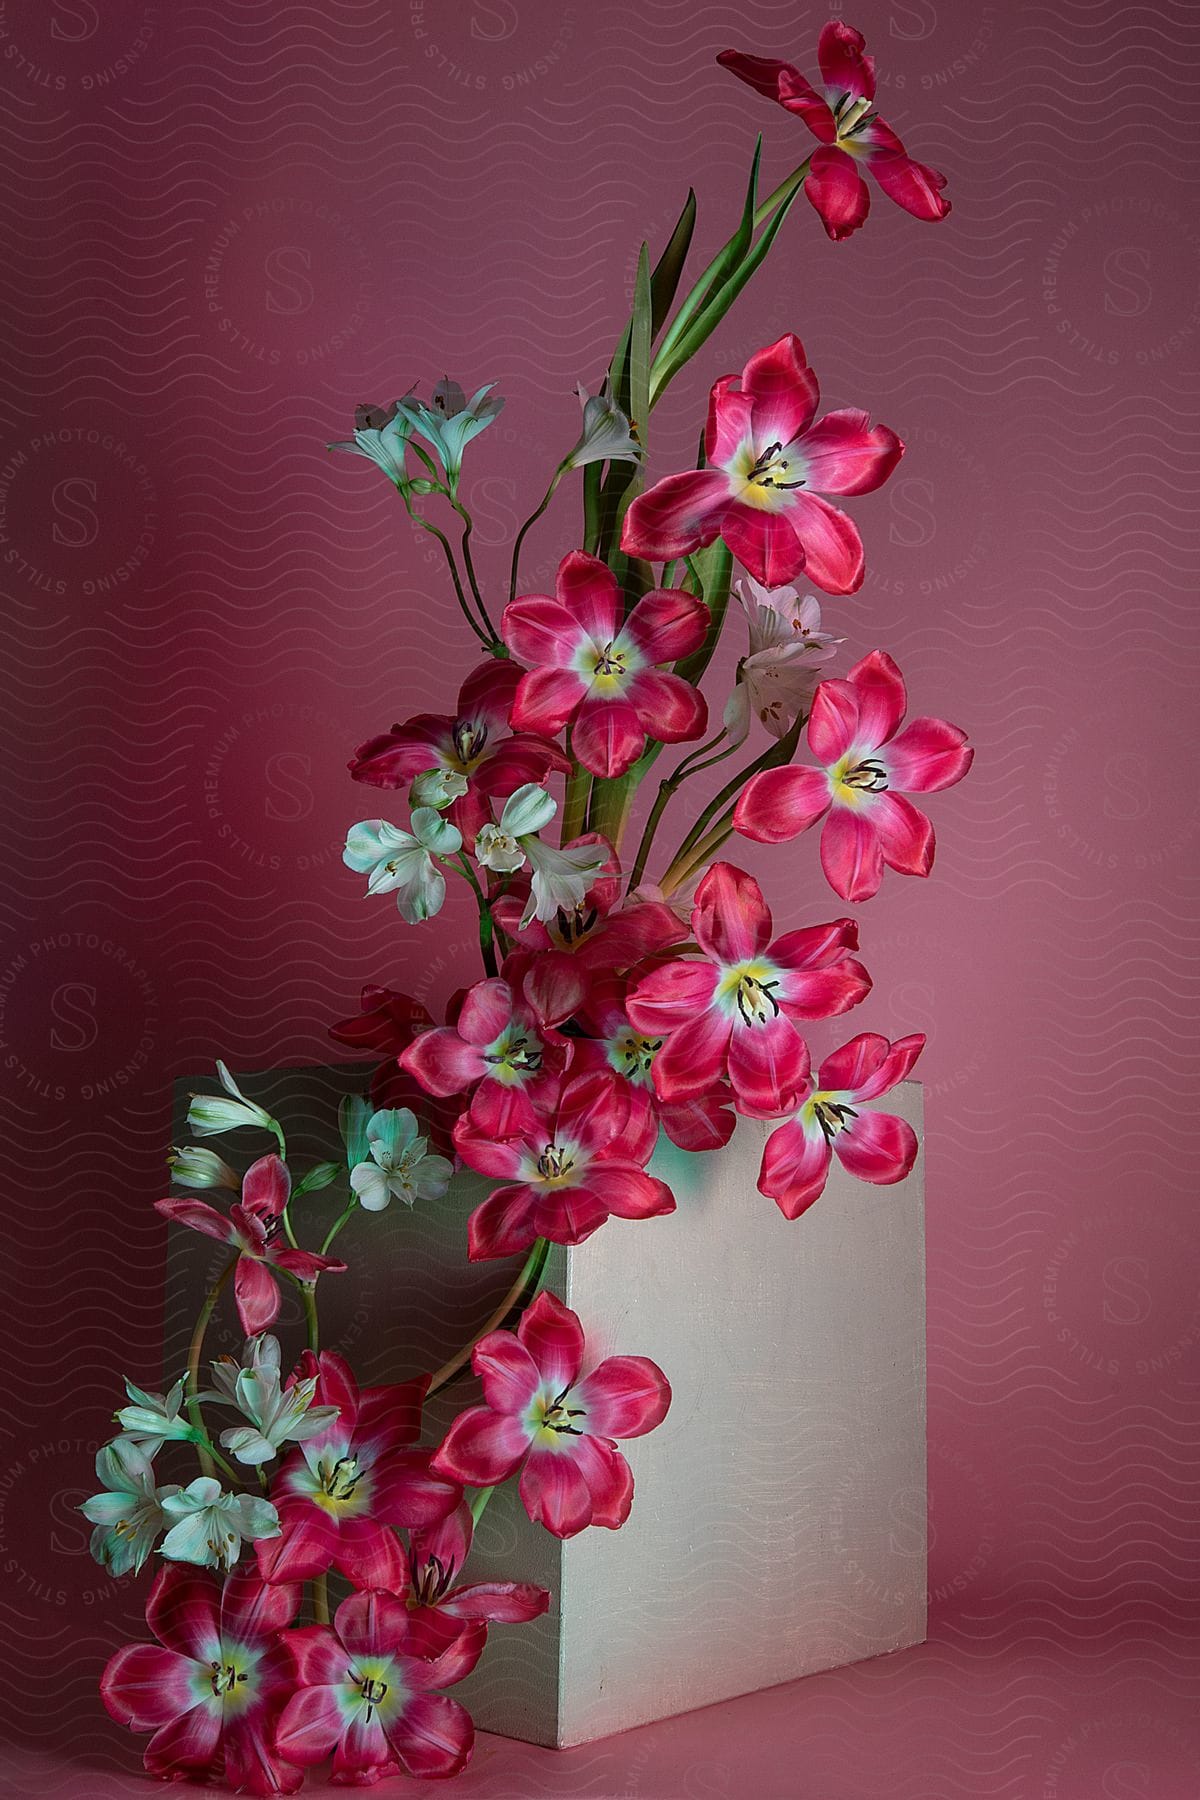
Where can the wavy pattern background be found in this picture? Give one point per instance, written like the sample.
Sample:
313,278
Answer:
228,221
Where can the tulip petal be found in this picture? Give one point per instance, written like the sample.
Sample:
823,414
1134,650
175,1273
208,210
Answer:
905,835
833,550
144,1686
766,542
555,1494
369,1555
667,624
692,1061
305,1548
795,1167
507,1602
609,1479
627,1192
768,1066
846,454
188,1742
256,1295
442,1062
503,1224
877,1147
781,82
784,391
669,708
542,632
183,1612
851,855
837,191
568,1215
670,995
482,1447
845,68
731,920
869,1066
677,515
432,1737
824,993
912,185
703,1122
508,1373
198,1215
928,755
311,1725
625,1397
607,736
778,804
879,689
546,699
266,1186
553,1336
589,591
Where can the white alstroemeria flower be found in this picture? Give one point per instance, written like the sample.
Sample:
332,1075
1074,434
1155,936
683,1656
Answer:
779,675
401,862
380,433
209,1115
155,1419
128,1512
450,421
558,878
196,1168
400,1163
209,1526
278,1414
606,435
438,788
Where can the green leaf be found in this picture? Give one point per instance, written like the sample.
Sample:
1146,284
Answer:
726,259
639,349
715,569
666,367
669,267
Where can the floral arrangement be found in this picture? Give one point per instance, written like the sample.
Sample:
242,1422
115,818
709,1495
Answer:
623,991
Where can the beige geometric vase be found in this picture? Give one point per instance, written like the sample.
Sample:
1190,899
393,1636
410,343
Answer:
778,1522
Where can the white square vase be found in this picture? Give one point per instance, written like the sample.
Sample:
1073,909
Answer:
778,1522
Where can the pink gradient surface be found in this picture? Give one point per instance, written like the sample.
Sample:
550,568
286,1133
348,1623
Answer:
230,220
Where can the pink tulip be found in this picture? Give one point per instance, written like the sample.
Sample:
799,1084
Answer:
473,743
877,1147
579,1163
849,132
733,1014
854,731
253,1226
367,1695
212,1688
444,1608
595,670
558,1430
339,1494
770,467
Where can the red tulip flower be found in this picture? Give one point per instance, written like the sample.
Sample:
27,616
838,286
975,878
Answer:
540,1417
368,1695
877,1147
850,132
770,468
502,1044
595,670
473,744
443,1607
253,1226
854,730
733,1013
386,1023
339,1494
576,1165
212,1688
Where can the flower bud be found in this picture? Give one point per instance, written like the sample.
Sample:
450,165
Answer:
197,1168
438,788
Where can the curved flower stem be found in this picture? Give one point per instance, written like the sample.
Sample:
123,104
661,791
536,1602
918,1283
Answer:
529,1278
338,1223
435,531
493,640
196,1350
666,790
533,518
700,853
487,925
772,758
210,1449
478,1502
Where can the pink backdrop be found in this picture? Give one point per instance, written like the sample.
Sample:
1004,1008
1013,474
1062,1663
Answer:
230,220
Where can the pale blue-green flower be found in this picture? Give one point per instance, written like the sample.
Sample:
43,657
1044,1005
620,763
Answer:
381,433
607,435
400,1164
210,1114
558,878
438,788
277,1414
353,1118
209,1526
451,421
401,862
155,1419
197,1168
128,1512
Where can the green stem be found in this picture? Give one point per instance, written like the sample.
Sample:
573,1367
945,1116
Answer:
196,1350
435,531
523,1288
210,1449
479,1502
487,925
532,520
337,1225
308,1296
667,788
494,643
575,803
320,1599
